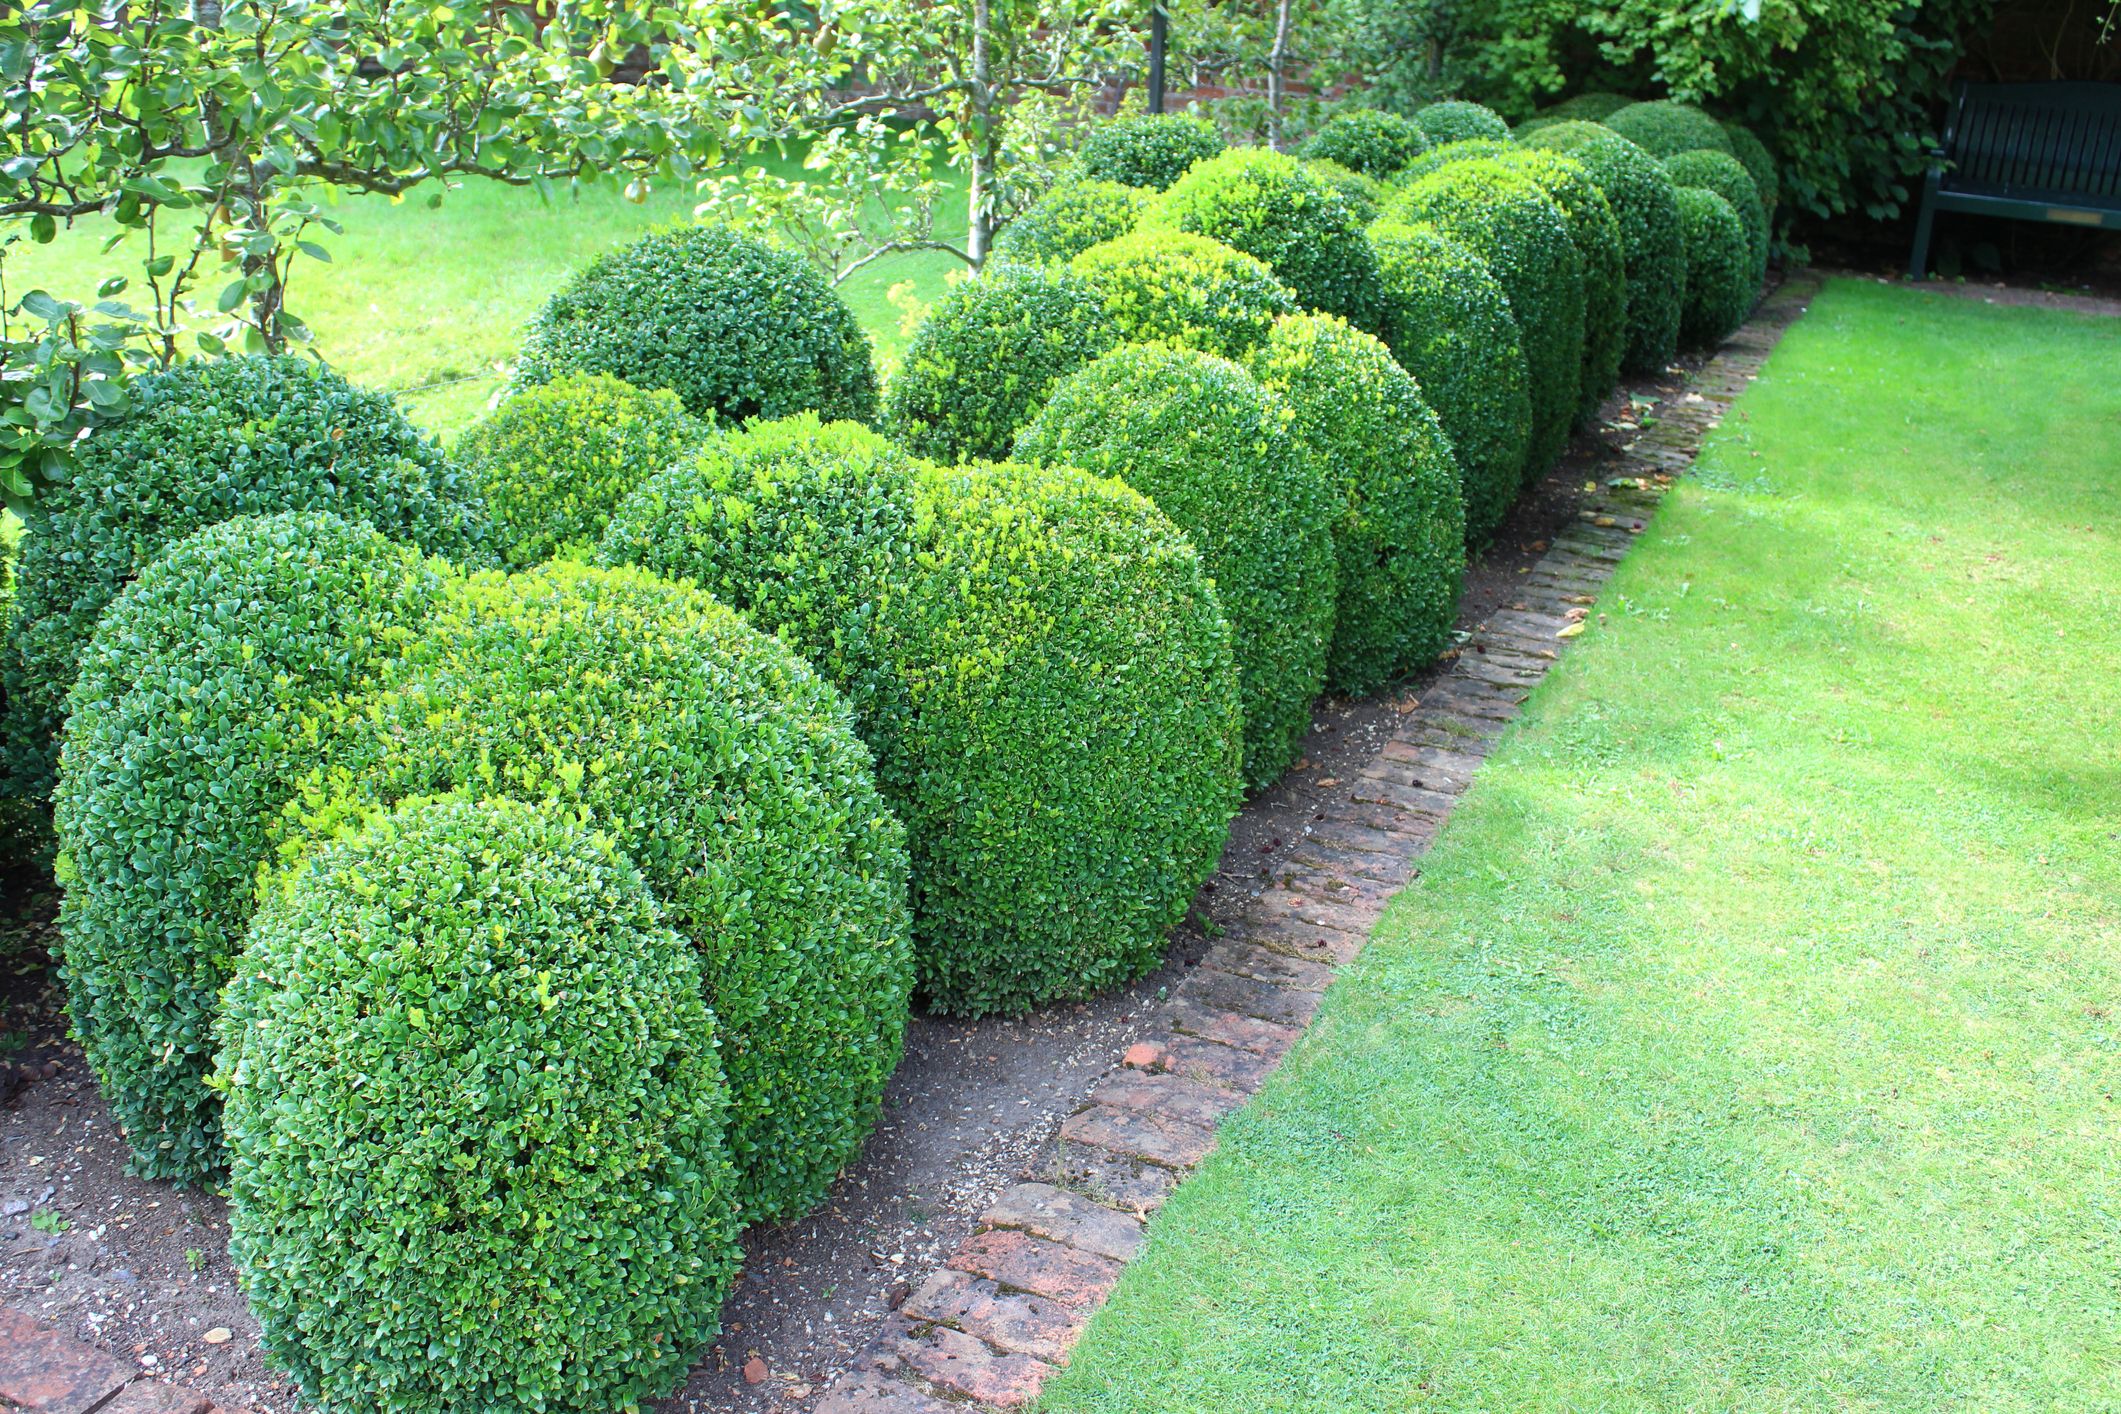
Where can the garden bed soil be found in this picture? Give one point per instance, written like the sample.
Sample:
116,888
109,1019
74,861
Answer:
141,1269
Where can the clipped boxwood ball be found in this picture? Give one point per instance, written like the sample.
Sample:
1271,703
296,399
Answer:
736,328
1512,224
1455,119
1400,526
1068,219
1719,282
1366,140
205,442
1151,151
1365,195
1267,205
556,459
730,774
1463,149
1759,164
1593,106
1653,247
209,686
1219,456
1596,233
477,1123
1448,323
1662,128
1172,287
980,363
1723,174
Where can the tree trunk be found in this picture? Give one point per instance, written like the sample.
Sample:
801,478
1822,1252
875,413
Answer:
1277,77
978,218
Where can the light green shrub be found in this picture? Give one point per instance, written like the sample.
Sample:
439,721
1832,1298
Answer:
1150,150
1068,219
1369,141
1365,195
1172,287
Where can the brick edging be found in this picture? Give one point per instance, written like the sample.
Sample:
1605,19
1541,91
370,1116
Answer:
987,1330
46,1370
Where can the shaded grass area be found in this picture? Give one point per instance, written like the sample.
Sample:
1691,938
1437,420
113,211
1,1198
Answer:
1752,1039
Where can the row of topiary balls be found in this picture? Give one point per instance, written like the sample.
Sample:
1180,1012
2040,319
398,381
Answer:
515,937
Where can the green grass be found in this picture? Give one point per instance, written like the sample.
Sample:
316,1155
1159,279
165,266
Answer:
429,302
1752,1040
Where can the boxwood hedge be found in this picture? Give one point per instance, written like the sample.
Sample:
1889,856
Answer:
477,1122
1722,174
1639,190
1164,286
1593,105
1759,164
734,327
1463,149
1365,195
1366,140
1662,128
1455,119
1719,284
1605,280
1399,526
1150,150
1217,453
1068,219
979,365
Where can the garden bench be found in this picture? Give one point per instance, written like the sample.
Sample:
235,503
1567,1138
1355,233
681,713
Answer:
2029,151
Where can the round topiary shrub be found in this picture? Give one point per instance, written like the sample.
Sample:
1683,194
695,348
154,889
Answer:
734,327
555,459
1536,123
979,365
1719,286
1265,204
1448,323
1514,226
1400,528
1463,150
1365,195
1216,452
205,442
1038,660
1592,106
1662,128
1653,246
209,686
477,1122
1171,287
1150,150
1605,279
1455,119
730,774
1366,140
1759,164
1068,219
1722,174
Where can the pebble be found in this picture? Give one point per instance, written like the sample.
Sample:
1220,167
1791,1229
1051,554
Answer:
219,1335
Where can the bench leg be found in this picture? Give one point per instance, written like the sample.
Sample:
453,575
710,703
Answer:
1919,259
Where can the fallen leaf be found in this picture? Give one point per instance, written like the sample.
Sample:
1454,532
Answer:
1571,631
755,1371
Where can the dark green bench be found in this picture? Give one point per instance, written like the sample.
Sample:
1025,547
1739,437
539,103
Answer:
2030,151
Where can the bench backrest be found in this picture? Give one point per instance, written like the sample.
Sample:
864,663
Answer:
2052,142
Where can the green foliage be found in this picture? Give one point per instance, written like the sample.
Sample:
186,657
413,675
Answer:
1592,106
1267,205
1726,176
1150,150
555,459
980,364
729,773
208,688
1663,128
1596,234
205,442
1037,658
1455,119
1365,196
1653,246
1719,284
1172,287
1366,140
1759,164
1448,323
1068,219
1219,456
734,327
1442,155
1514,226
474,1108
1399,530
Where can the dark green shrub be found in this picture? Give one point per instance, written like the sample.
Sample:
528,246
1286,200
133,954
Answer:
1593,106
1509,222
730,773
1366,140
1448,323
980,363
1365,195
1068,219
1653,246
1536,123
1722,174
1605,277
1400,526
734,327
205,442
1759,164
555,459
1037,658
206,690
1265,204
477,1122
1464,149
1662,128
1216,452
1719,285
1454,120
1151,150
1176,288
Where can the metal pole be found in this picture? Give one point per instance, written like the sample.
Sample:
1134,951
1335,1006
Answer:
1156,58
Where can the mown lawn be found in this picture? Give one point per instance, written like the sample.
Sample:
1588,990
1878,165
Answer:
1752,1039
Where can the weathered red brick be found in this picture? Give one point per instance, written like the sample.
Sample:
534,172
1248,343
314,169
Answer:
866,1392
1248,959
1297,939
1213,1063
44,1370
1173,1096
970,1367
1116,1179
1042,1267
1142,1054
1068,1217
1415,800
1247,1033
1144,1134
1010,1321
154,1397
1248,996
